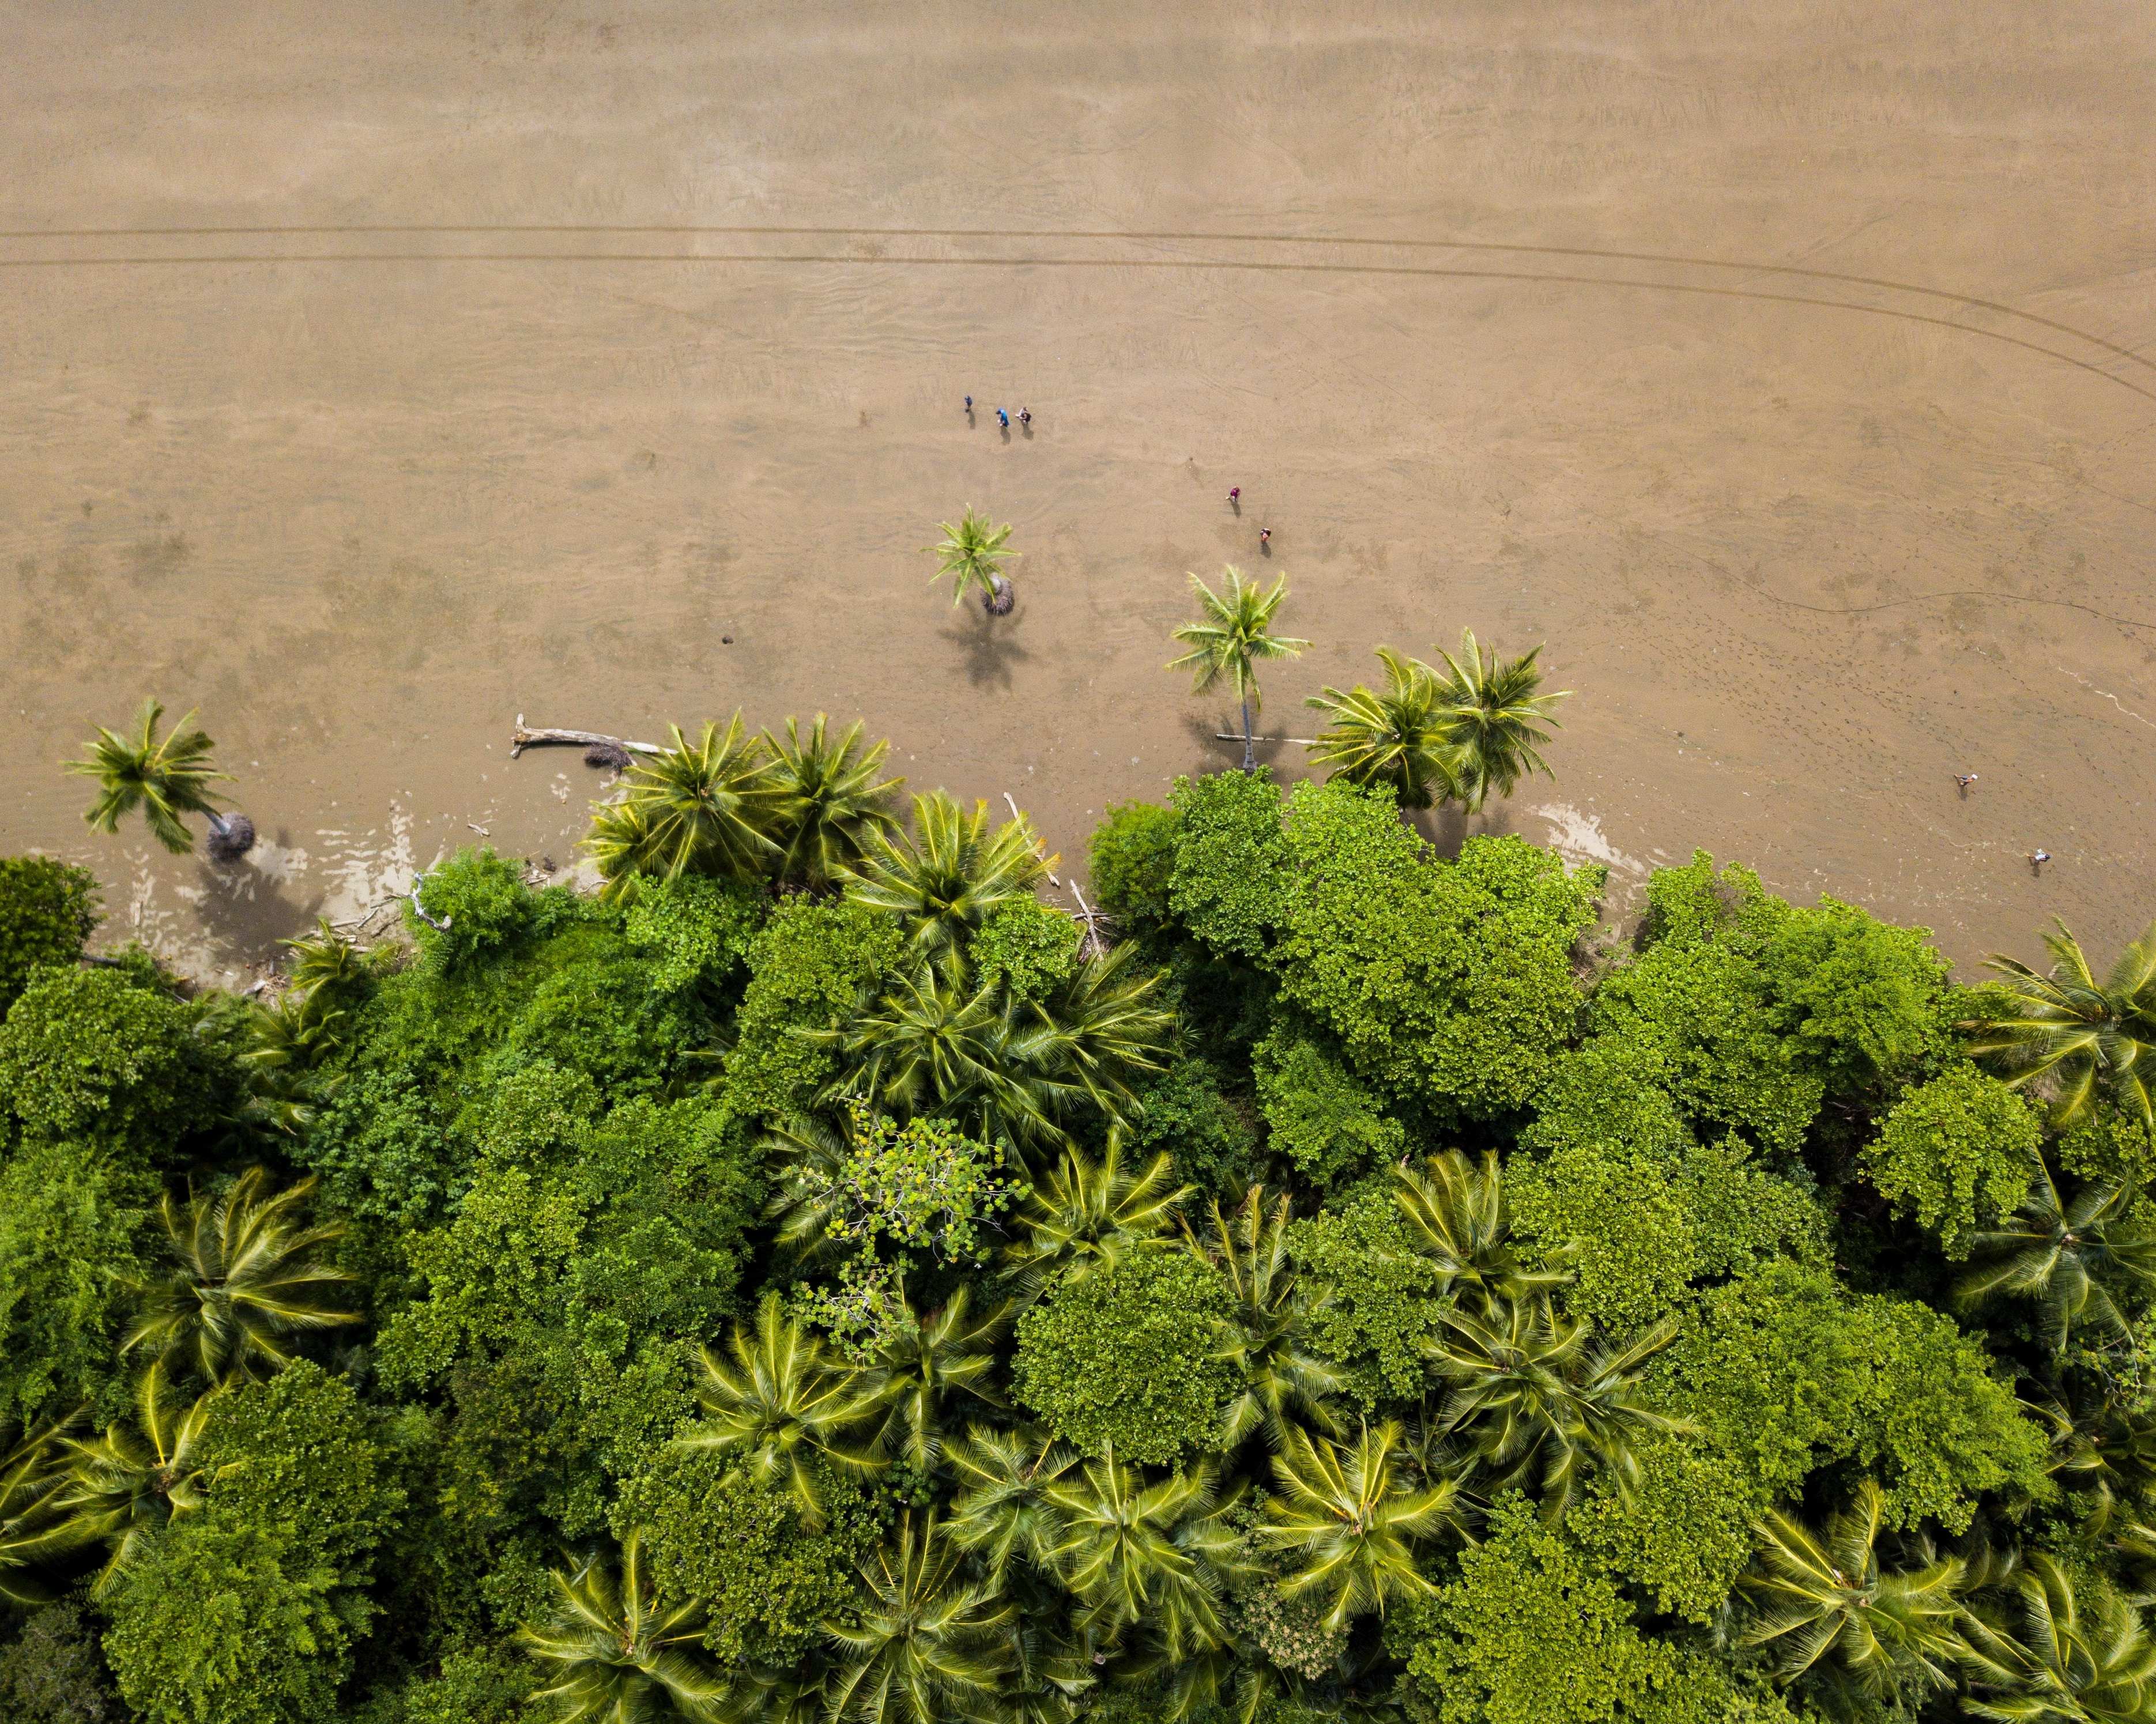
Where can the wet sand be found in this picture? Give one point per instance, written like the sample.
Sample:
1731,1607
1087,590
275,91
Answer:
370,375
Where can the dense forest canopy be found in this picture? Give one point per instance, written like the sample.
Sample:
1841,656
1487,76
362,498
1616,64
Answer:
813,1277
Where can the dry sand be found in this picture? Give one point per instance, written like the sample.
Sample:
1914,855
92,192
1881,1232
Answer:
372,374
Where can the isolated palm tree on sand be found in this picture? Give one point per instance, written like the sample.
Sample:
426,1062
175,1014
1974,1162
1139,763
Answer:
971,553
1496,712
165,779
1229,640
1401,736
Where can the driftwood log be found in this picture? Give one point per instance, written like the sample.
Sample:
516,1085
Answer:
1040,849
1237,736
522,738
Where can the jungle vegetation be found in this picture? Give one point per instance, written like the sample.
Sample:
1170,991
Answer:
817,1278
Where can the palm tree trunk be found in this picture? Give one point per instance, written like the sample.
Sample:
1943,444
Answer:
231,836
1250,745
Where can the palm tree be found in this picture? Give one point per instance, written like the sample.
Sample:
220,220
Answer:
758,1694
1088,1213
810,1189
1047,1674
1279,1377
287,1040
29,1474
2103,1445
1103,1025
1529,1385
973,554
926,1359
1352,1517
2081,1037
782,1400
1891,1632
830,800
1453,1212
1135,1552
944,883
245,1279
1401,737
165,780
617,1655
706,807
2057,1664
124,1486
1495,713
2071,1258
1229,640
1000,1511
925,1647
324,960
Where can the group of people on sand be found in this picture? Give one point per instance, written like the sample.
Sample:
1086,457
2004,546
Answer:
2037,857
1002,416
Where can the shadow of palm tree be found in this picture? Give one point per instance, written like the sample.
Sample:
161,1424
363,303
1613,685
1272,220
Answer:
990,646
1219,737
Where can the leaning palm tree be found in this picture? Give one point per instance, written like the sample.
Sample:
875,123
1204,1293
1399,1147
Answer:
831,800
245,1279
1496,712
164,778
1400,737
2057,1664
125,1484
617,1655
1531,1391
921,1645
2076,1259
1453,1212
1088,1213
1825,1602
1001,1511
1228,640
2080,1038
1282,1377
1352,1516
973,553
927,1359
706,807
1136,1552
943,882
781,1400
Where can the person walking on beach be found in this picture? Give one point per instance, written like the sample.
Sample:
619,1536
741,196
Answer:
1235,495
1965,780
1025,416
1003,418
2037,858
1265,538
969,407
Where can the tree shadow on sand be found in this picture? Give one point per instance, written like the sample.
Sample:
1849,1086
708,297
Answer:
1218,739
990,647
1447,828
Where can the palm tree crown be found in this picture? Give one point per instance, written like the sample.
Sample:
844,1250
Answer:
1402,736
2073,1257
2081,1037
1352,1514
2059,1664
1231,637
925,1646
973,553
830,799
1087,1213
925,1360
1280,1376
1002,1511
125,1484
943,881
617,1655
706,807
164,778
245,1278
1496,713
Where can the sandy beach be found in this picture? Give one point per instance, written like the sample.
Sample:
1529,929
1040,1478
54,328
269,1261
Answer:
370,375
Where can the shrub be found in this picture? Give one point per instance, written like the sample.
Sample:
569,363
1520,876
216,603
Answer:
1026,947
1131,858
1957,1153
48,908
1229,856
89,1054
483,899
1317,1116
694,930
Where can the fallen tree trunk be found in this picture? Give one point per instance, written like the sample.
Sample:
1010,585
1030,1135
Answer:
1237,736
522,738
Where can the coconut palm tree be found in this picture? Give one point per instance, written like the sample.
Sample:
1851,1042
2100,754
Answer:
759,1694
287,1040
808,1190
1453,1212
1152,1553
944,882
123,1486
1000,1512
1087,1214
1824,1601
245,1279
164,778
1103,1025
2103,1447
2082,1038
1495,713
2044,1660
926,1359
1231,637
2076,1259
782,1399
830,800
1046,1675
1531,1389
1281,1377
1401,736
973,553
616,1654
29,1475
923,1646
1352,1516
325,960
706,807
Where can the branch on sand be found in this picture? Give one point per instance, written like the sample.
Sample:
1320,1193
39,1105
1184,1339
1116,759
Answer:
600,750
